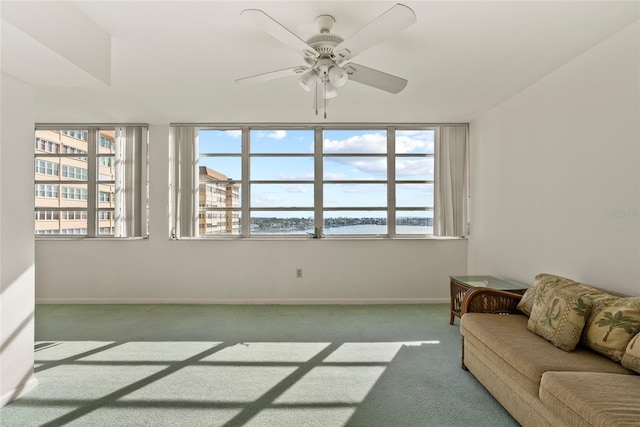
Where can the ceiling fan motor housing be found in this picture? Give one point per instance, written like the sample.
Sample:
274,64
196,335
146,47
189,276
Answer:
323,43
325,23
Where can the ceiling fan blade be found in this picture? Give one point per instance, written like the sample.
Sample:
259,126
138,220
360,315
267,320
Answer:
278,31
378,79
390,22
271,75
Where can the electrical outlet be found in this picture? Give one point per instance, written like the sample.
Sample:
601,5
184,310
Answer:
298,272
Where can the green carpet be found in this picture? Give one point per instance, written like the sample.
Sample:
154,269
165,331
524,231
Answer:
253,365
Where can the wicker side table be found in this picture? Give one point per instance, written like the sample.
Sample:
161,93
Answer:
461,284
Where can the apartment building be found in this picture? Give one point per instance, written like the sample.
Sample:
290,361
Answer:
216,195
62,182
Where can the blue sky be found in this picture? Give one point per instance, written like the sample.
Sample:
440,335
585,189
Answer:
360,168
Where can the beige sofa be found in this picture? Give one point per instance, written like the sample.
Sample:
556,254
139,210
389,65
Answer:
535,374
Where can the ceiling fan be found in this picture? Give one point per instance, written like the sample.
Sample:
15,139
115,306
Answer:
328,56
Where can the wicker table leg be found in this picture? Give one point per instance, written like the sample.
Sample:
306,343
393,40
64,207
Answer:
457,291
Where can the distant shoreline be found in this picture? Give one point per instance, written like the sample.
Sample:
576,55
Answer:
351,229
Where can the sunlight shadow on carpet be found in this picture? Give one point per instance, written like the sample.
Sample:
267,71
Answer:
356,376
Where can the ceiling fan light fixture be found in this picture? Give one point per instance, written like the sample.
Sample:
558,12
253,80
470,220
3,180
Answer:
338,76
308,80
325,52
330,90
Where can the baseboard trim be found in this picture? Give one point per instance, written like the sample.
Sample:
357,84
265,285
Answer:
18,392
256,301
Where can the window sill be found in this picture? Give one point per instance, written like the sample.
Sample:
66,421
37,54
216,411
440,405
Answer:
309,238
88,239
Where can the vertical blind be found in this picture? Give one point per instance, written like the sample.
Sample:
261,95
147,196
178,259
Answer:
185,177
451,181
130,188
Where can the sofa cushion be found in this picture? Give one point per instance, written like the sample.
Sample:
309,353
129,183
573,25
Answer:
559,312
611,326
592,399
631,357
524,356
526,303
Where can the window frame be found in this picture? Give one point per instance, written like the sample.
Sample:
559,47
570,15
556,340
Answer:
319,181
91,186
246,230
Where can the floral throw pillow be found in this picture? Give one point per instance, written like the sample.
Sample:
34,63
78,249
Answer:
631,358
559,314
541,280
611,326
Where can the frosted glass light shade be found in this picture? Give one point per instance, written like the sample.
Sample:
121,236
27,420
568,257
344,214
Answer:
331,91
337,76
308,80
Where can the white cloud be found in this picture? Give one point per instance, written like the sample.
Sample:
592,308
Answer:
334,176
367,143
294,177
295,188
406,167
277,134
407,144
426,188
234,133
265,199
359,188
414,141
374,167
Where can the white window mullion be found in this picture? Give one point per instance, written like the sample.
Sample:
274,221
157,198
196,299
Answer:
143,197
391,182
246,186
194,193
92,185
318,217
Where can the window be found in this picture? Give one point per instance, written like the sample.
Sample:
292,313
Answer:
47,146
105,196
46,168
48,191
282,180
78,134
105,142
74,215
79,184
355,182
74,172
47,215
74,193
105,215
307,181
414,181
220,180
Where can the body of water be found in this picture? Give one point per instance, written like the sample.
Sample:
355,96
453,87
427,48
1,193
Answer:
377,229
361,229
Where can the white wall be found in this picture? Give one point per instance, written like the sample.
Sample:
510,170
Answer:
160,270
16,240
555,174
247,272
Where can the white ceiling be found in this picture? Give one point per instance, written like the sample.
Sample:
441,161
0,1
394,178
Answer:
176,61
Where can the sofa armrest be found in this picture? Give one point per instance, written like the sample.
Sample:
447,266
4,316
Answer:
487,300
